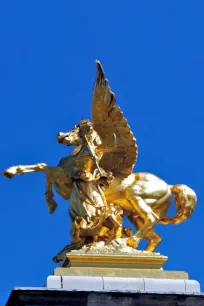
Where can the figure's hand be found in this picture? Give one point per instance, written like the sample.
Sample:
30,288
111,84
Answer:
110,177
97,174
86,176
83,175
106,180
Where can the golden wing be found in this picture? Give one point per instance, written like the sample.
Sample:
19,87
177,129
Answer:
107,119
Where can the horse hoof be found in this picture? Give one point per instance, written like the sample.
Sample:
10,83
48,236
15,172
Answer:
132,243
56,259
8,174
52,205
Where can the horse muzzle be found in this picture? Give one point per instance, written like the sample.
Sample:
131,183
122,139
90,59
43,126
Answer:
61,137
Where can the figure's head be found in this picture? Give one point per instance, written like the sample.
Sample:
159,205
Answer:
76,136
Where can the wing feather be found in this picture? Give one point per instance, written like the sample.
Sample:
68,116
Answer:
107,118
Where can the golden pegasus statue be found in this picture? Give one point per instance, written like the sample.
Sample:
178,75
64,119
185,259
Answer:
97,178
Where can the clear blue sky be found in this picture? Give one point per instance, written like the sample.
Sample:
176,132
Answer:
153,55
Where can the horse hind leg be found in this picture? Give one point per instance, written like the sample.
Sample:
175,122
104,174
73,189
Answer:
144,211
152,238
153,241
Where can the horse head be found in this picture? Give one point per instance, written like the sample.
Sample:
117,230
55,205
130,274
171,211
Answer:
77,134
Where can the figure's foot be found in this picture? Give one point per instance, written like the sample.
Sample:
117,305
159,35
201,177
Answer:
11,172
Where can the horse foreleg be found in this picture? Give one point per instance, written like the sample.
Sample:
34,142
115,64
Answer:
20,170
52,173
49,195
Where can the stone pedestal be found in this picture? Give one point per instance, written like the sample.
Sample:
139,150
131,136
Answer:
116,260
125,273
56,297
110,275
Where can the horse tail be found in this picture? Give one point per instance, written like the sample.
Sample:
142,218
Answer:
185,201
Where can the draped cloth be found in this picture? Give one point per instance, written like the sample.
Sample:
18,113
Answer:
86,200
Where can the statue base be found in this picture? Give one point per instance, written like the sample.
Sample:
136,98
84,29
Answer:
116,260
118,272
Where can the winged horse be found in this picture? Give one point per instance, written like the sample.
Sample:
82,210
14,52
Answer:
143,197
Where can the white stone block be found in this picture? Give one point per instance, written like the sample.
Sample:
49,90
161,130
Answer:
54,282
82,283
192,286
164,285
123,284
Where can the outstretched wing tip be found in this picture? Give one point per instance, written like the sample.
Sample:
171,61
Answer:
98,64
100,68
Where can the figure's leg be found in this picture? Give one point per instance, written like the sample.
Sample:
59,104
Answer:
153,238
144,211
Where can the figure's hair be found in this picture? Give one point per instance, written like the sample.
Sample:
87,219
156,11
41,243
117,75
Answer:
84,125
83,122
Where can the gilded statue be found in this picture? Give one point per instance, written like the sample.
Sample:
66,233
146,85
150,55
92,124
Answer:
97,178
